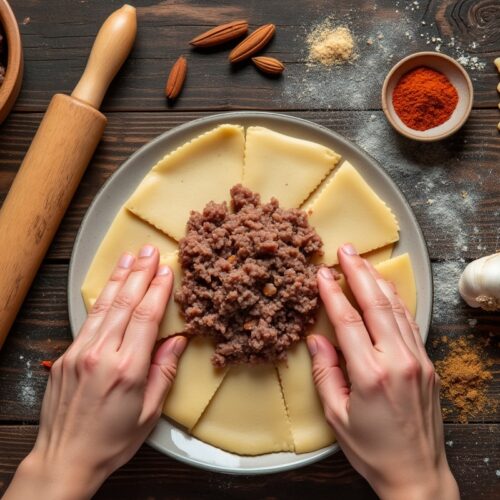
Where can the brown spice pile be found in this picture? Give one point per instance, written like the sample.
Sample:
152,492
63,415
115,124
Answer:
464,376
330,46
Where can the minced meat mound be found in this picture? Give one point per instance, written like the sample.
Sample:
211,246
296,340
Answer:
248,281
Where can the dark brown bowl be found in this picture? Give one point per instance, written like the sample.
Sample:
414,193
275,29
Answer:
9,90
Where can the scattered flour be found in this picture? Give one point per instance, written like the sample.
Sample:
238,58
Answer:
428,174
448,209
28,395
446,296
26,384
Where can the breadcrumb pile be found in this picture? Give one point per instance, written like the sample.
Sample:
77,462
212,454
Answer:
330,45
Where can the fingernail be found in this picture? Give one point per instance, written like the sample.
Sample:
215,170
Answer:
312,345
326,273
163,271
175,345
147,251
126,261
178,345
348,249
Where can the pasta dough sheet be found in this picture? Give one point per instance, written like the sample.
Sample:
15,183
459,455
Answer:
195,384
247,415
310,430
398,270
200,171
348,210
284,167
126,233
379,255
173,321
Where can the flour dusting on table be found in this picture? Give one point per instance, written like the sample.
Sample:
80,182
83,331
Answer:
448,205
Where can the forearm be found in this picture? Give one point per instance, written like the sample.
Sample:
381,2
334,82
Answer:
35,479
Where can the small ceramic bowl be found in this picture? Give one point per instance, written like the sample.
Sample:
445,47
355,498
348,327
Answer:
455,73
9,90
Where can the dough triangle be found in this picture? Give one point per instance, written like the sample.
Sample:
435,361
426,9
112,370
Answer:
247,415
348,210
200,171
127,233
195,383
284,167
310,430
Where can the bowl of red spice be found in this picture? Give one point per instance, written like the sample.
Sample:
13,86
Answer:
427,96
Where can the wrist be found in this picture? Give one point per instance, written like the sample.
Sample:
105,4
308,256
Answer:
440,485
37,477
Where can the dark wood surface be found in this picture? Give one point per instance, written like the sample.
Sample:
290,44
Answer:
453,187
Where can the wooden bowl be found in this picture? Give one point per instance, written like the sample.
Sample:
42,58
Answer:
455,73
9,90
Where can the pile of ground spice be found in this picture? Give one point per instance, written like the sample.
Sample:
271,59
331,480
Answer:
424,98
464,377
330,45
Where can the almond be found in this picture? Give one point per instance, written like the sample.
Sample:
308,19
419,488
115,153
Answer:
220,34
252,43
269,65
176,78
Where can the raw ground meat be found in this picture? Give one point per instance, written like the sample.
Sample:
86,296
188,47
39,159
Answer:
248,280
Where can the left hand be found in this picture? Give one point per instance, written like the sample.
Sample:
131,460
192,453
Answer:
105,393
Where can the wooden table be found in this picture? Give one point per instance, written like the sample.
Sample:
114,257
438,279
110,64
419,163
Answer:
453,187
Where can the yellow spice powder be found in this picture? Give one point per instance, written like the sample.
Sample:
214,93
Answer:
329,45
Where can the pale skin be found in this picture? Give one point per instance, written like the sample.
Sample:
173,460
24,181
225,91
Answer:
111,371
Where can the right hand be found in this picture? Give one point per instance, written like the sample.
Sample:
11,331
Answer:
387,419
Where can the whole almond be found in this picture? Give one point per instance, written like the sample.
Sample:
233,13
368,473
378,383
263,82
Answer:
252,43
220,34
176,78
269,65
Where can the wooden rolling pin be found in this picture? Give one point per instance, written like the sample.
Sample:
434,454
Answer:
54,164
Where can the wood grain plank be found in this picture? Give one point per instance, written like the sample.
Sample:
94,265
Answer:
58,37
42,332
453,185
472,452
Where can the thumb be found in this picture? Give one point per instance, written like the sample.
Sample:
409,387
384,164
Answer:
161,376
328,377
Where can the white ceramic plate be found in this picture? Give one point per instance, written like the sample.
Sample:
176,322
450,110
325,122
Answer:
168,438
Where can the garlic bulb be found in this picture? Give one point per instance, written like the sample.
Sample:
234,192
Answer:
479,284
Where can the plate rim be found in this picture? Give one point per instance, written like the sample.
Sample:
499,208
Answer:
216,119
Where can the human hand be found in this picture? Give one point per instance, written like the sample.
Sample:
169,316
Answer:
104,394
387,419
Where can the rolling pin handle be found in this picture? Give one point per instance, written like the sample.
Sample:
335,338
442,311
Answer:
111,47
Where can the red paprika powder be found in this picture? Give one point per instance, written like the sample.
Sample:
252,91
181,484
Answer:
424,98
